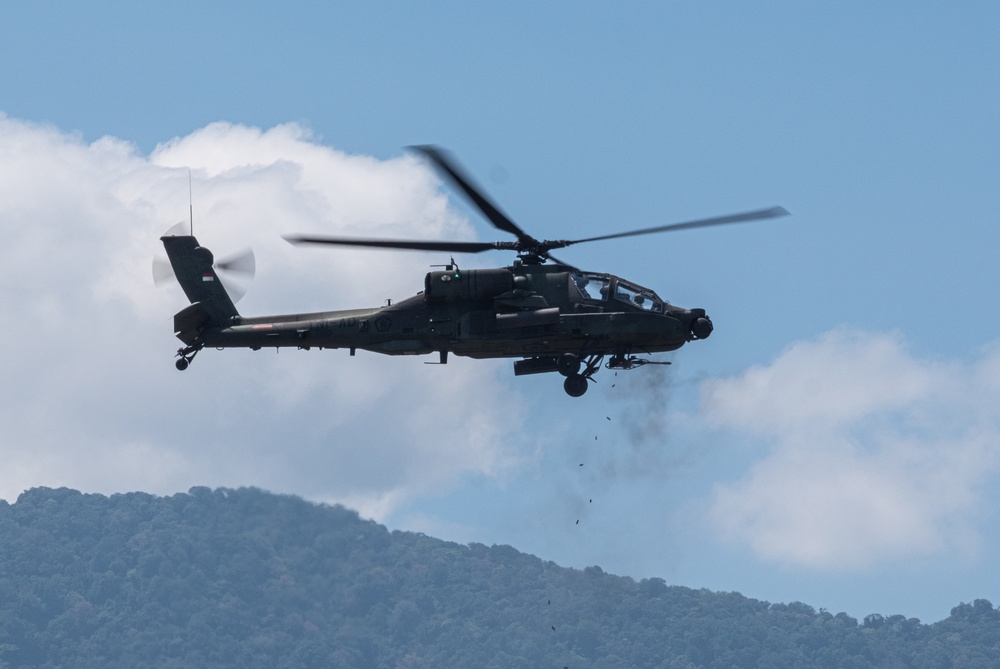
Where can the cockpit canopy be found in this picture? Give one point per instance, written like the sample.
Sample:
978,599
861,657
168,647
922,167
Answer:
598,288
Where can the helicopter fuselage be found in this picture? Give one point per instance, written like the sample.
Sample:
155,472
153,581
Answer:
554,317
519,311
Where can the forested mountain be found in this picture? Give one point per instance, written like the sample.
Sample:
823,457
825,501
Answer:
244,578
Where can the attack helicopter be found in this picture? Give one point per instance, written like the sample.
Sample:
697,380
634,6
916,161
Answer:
548,315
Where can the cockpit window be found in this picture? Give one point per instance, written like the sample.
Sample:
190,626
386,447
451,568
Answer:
592,286
638,297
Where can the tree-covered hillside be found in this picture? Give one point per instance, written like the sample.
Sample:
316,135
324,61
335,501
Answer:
243,578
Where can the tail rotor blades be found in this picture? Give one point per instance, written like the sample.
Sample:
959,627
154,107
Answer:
236,272
240,263
163,273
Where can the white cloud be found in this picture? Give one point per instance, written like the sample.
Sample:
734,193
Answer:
92,399
873,454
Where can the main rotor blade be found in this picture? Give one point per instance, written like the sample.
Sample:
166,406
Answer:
557,261
449,247
773,212
460,179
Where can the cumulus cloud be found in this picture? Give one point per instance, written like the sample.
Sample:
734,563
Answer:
872,453
92,398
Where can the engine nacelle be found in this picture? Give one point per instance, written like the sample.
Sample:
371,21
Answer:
474,284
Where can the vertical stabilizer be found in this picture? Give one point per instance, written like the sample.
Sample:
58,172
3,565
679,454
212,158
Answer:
193,267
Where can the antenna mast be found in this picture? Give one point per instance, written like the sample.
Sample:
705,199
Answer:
191,201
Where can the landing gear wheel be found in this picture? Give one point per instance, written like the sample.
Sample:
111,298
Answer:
575,385
568,364
186,355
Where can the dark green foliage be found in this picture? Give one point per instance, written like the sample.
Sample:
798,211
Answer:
243,578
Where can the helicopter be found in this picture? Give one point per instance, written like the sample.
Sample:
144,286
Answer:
548,315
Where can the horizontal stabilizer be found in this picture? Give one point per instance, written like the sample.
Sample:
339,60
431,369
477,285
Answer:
189,322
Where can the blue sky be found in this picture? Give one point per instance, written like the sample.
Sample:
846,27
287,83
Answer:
837,439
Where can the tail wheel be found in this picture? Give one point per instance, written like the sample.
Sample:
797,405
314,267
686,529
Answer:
186,355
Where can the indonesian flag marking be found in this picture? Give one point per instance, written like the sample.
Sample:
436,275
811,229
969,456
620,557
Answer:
207,277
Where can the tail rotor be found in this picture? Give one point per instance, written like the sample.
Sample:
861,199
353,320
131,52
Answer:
235,271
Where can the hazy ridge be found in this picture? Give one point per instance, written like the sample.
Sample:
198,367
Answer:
246,578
